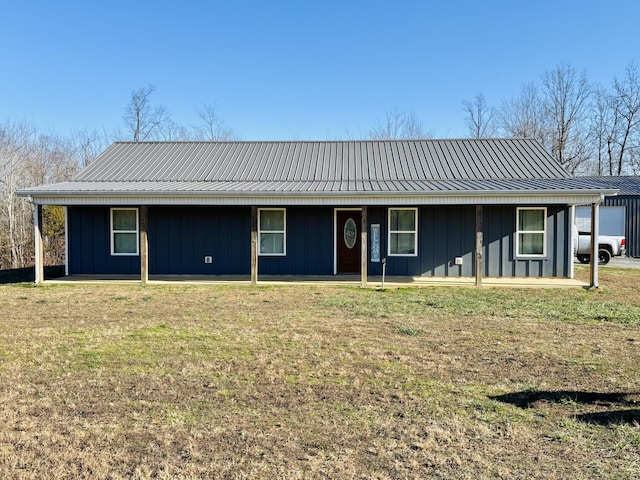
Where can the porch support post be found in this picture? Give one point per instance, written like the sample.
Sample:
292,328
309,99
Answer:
39,245
254,245
144,245
363,247
66,241
573,239
479,264
595,232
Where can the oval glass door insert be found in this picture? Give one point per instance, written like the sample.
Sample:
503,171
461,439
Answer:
350,233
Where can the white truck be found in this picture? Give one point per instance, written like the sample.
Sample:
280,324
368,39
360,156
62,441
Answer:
608,246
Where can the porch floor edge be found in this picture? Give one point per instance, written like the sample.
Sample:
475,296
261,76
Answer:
347,280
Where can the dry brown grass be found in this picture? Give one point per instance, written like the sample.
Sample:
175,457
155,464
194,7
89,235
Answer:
320,382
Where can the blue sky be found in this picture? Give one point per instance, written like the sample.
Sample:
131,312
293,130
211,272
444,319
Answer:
294,69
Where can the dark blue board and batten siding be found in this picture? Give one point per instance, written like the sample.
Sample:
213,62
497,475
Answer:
181,237
309,244
447,232
499,255
90,244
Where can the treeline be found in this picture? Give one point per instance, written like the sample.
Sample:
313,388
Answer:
589,128
29,158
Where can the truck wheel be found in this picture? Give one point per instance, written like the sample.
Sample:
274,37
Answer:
583,258
603,256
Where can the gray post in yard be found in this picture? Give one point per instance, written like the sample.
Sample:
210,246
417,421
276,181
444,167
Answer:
254,245
144,245
363,248
479,241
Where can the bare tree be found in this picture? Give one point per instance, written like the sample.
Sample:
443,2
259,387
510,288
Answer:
86,145
142,119
523,116
50,159
399,125
170,131
14,212
212,127
480,117
566,96
26,159
624,139
600,129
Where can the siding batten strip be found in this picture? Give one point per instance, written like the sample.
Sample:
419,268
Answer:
479,241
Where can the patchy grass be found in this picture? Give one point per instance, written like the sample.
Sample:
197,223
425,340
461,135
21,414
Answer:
320,382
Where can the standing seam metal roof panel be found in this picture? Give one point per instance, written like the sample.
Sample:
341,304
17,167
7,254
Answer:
304,161
479,166
501,163
425,164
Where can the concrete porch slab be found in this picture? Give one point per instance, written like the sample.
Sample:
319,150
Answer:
347,280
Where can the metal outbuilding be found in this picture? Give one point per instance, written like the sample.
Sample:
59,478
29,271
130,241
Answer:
629,198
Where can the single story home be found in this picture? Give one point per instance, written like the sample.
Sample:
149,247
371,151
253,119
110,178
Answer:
436,208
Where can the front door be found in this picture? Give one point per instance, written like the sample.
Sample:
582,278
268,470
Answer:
348,241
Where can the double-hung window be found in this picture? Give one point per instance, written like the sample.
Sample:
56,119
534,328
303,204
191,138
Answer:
124,231
531,231
403,232
272,231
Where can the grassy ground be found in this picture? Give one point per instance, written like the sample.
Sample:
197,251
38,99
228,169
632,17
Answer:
320,382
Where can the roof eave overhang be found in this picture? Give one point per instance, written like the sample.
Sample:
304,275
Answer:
557,196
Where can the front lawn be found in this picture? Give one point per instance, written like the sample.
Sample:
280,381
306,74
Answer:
176,381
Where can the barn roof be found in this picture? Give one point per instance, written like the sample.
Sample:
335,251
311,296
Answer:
626,185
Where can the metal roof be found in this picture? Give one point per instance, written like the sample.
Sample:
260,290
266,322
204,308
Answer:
626,185
328,169
331,161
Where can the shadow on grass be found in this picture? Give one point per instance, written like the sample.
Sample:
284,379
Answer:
18,275
613,401
611,417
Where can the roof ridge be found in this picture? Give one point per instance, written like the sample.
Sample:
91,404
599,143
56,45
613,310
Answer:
370,140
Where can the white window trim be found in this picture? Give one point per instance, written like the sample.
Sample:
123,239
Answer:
284,232
415,232
136,231
544,234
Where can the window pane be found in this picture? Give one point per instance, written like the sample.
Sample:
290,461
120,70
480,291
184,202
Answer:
531,220
403,243
403,220
124,243
531,243
272,243
124,219
271,219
